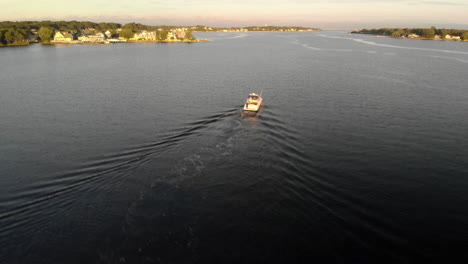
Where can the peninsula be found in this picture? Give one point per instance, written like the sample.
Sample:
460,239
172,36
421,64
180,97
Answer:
85,32
418,33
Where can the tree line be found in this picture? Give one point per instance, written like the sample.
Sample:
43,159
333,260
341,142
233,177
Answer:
59,25
21,32
13,36
428,33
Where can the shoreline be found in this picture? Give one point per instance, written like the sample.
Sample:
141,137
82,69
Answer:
420,38
16,45
416,33
71,32
165,41
104,43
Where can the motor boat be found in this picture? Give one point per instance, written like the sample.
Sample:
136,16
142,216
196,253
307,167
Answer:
253,102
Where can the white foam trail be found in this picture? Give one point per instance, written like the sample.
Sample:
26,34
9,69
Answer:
310,47
326,36
450,58
296,41
225,36
410,48
238,36
347,50
394,46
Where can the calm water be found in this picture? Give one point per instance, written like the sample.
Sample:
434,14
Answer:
138,153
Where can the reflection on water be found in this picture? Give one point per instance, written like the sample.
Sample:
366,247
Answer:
250,115
134,153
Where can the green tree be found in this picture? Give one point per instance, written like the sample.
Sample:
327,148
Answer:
127,33
114,33
2,40
398,33
162,35
135,26
74,26
46,34
428,33
464,36
15,36
443,32
21,36
10,36
189,36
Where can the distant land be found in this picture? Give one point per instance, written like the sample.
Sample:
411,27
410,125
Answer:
21,33
418,33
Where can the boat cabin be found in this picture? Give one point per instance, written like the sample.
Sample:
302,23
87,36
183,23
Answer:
253,102
253,98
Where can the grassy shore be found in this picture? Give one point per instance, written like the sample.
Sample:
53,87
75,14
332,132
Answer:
14,44
105,43
418,33
167,41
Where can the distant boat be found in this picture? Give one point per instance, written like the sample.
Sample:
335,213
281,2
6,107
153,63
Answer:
253,102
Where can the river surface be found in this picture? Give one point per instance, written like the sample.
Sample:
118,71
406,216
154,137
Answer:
139,153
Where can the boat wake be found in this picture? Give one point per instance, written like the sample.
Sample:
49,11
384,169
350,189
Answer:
372,43
209,179
237,174
59,195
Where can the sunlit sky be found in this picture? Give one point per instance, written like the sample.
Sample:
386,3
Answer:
331,14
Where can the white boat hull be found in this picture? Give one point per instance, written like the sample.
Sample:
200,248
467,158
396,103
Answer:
253,103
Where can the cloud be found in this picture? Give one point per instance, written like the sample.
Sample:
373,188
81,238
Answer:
244,12
440,3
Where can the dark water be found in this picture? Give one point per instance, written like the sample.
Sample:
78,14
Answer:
138,153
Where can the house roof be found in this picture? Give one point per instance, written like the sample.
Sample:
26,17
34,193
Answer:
64,34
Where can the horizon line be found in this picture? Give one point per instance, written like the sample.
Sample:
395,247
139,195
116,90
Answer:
330,27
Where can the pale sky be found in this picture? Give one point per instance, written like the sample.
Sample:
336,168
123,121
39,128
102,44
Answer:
331,14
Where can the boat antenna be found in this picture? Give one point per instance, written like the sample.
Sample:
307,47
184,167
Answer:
261,93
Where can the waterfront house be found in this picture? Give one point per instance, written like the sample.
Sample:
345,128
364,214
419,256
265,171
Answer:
63,36
413,36
136,36
151,35
95,38
98,37
180,34
140,35
32,37
83,38
171,35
